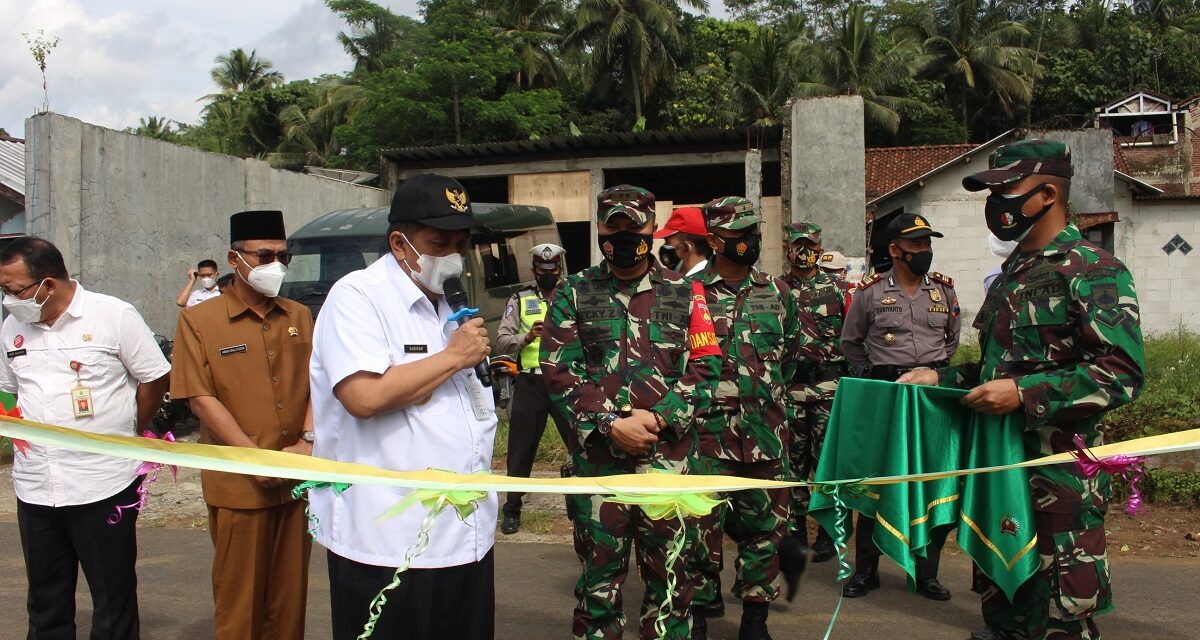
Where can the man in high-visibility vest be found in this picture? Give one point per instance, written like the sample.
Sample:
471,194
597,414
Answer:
519,335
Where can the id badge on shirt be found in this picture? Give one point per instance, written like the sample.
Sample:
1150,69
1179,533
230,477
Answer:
479,403
81,396
81,402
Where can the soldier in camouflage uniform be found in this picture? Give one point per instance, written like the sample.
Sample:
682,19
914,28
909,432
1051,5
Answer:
1061,343
823,298
745,433
630,357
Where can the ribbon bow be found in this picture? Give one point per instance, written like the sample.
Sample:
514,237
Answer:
300,492
20,445
435,501
150,470
1128,468
660,506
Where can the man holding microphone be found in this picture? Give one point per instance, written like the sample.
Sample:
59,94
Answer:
393,386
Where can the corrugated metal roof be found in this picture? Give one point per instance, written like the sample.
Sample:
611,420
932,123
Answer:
12,164
645,142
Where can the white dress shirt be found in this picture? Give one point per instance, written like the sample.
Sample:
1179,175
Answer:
202,294
373,319
116,351
697,268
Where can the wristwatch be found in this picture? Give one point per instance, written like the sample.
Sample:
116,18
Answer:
308,436
605,422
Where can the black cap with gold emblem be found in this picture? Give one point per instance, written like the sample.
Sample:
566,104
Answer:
434,201
910,225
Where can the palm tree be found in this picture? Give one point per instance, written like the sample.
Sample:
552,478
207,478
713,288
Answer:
154,127
310,137
631,37
860,60
970,49
764,69
532,26
236,72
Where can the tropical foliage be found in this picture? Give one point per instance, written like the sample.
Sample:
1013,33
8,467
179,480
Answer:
929,71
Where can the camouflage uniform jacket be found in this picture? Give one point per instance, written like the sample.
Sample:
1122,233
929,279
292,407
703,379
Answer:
607,343
1063,323
758,329
823,301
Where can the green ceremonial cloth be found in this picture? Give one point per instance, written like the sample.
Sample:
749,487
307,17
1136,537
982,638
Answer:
880,429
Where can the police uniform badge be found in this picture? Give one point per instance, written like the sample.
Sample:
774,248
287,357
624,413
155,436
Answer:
935,295
888,300
889,339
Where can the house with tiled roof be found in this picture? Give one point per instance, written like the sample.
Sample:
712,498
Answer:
12,186
1116,204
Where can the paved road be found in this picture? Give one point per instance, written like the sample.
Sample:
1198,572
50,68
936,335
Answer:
1156,598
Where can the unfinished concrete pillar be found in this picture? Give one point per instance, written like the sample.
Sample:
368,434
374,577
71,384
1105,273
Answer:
1092,158
597,185
827,185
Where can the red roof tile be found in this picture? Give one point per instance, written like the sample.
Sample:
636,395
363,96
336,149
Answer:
889,168
1120,162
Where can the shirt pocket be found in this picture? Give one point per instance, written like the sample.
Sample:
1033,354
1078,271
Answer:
888,321
1041,331
766,334
96,365
670,344
938,320
601,344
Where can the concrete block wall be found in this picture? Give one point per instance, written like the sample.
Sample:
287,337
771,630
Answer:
1165,284
131,214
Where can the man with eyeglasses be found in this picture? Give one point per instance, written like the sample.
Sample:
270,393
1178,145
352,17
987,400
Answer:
241,360
85,361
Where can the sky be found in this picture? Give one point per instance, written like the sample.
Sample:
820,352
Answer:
118,61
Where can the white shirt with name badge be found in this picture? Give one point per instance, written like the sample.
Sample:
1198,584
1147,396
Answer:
373,319
115,351
202,294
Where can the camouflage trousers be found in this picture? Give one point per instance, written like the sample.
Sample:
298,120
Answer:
756,519
1072,584
605,535
808,436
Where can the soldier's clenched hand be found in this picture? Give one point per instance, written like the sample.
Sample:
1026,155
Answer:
927,377
996,397
635,434
469,343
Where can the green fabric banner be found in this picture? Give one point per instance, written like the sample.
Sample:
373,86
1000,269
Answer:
880,429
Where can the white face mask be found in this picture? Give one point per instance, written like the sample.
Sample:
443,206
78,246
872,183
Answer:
265,278
208,283
435,270
28,310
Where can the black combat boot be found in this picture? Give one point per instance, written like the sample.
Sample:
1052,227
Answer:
699,624
754,621
793,557
823,549
864,580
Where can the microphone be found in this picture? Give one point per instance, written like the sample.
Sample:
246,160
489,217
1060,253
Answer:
456,297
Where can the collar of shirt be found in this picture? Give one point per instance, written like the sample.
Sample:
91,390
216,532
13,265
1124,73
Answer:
700,266
74,308
1062,244
236,306
409,292
711,276
643,283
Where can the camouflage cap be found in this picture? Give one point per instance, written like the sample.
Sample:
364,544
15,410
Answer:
635,202
731,212
798,231
1012,162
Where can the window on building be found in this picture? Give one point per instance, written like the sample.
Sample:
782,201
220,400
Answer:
1141,119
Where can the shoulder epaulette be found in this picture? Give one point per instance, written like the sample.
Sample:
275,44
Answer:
870,281
946,280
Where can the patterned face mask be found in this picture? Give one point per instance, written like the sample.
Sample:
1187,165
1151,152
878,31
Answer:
1003,214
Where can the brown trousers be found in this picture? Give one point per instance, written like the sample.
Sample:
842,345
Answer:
260,571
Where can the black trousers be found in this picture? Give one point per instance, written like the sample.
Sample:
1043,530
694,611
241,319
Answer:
56,542
866,554
429,604
531,407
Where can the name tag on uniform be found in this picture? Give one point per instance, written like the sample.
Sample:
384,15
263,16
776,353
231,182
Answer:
416,348
532,307
478,400
14,353
228,351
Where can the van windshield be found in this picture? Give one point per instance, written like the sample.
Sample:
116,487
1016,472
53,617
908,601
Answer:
504,256
317,263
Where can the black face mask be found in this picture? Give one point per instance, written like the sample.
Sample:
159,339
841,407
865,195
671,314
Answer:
743,250
668,257
917,262
546,281
625,249
1004,217
804,258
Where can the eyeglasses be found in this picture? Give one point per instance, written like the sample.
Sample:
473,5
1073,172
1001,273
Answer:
266,256
23,289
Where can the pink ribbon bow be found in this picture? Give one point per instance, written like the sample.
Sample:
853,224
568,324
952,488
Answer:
1128,468
150,470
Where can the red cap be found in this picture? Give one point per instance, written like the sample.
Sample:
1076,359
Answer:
689,220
